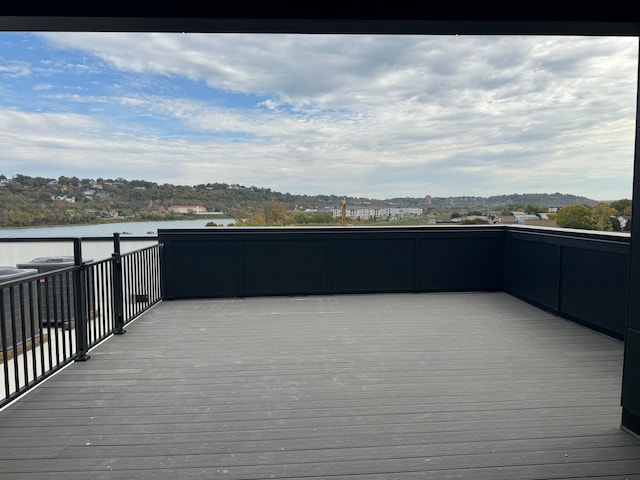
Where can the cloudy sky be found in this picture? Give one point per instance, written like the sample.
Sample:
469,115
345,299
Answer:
373,116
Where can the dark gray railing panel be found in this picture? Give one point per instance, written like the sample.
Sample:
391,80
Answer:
371,264
533,270
449,261
198,268
295,266
244,262
580,275
594,288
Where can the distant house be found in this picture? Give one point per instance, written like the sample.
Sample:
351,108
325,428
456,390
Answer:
522,217
64,198
156,209
197,209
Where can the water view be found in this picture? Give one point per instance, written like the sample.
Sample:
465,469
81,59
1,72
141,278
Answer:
108,229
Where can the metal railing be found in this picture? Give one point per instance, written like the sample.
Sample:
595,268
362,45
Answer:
53,318
581,275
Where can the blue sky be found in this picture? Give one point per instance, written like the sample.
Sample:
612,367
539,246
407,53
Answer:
374,116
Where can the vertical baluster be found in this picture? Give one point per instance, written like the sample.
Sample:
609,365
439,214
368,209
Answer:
80,302
117,293
35,333
5,345
24,335
14,335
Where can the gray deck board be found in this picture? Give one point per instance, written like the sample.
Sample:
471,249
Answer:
395,386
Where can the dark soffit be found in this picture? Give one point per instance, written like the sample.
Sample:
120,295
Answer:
308,17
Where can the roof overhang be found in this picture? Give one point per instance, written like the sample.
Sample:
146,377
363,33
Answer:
398,17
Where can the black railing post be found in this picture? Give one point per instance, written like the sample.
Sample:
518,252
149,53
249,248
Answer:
117,295
79,276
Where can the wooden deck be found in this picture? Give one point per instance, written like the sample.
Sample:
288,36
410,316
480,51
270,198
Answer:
396,386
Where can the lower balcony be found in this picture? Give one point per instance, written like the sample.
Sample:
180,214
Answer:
375,386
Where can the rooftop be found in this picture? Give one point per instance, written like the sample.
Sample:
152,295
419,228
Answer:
375,386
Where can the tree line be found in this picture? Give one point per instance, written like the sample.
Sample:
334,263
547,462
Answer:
40,201
602,216
276,214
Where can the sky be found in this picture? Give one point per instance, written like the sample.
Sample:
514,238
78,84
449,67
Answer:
358,115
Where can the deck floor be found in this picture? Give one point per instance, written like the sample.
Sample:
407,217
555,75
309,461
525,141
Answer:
395,386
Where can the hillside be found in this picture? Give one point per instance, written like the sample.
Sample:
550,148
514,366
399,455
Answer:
513,200
34,201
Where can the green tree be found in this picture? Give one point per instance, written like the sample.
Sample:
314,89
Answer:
602,215
300,218
617,226
270,213
321,217
535,209
275,213
621,205
576,216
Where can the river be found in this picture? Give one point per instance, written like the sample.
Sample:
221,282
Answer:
58,241
108,229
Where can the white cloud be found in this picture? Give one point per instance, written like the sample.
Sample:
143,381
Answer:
363,115
15,69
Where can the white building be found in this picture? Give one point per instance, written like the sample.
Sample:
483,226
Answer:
378,213
197,209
